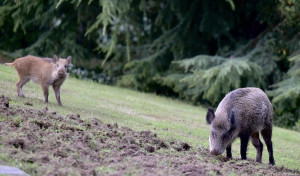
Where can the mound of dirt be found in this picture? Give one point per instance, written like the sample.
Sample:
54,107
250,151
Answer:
57,145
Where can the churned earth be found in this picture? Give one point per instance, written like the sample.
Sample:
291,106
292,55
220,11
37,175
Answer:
57,145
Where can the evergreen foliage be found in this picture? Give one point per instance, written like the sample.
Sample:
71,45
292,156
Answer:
286,93
42,28
209,78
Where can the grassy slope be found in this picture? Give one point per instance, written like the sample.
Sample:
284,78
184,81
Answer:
170,119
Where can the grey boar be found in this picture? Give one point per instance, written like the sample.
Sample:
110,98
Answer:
242,113
44,71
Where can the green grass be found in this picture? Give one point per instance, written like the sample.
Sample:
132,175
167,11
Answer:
170,119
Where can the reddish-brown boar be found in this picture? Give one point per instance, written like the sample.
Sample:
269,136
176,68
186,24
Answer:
43,71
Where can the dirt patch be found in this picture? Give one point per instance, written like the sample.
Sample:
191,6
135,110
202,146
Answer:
58,145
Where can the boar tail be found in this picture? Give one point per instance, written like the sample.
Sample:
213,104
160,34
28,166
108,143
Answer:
9,64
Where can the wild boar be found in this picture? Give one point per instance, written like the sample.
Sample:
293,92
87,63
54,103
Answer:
242,113
44,71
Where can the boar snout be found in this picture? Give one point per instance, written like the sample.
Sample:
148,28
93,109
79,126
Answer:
61,74
215,152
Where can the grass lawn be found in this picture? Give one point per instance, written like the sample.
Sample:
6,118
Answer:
170,119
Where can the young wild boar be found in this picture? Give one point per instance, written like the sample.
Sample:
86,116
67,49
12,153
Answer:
243,113
44,71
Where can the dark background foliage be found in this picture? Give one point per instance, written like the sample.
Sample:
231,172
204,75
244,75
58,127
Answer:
195,50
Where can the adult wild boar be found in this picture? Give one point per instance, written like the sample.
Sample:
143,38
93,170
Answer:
243,113
44,71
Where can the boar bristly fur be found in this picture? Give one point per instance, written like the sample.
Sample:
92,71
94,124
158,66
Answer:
44,71
242,113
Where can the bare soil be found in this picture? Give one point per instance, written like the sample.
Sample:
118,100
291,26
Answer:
57,145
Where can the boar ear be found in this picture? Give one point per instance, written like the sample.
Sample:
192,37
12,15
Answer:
55,58
69,58
210,116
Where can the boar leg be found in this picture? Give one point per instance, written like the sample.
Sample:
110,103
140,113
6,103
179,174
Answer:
258,145
46,92
267,135
20,84
228,151
244,145
57,94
